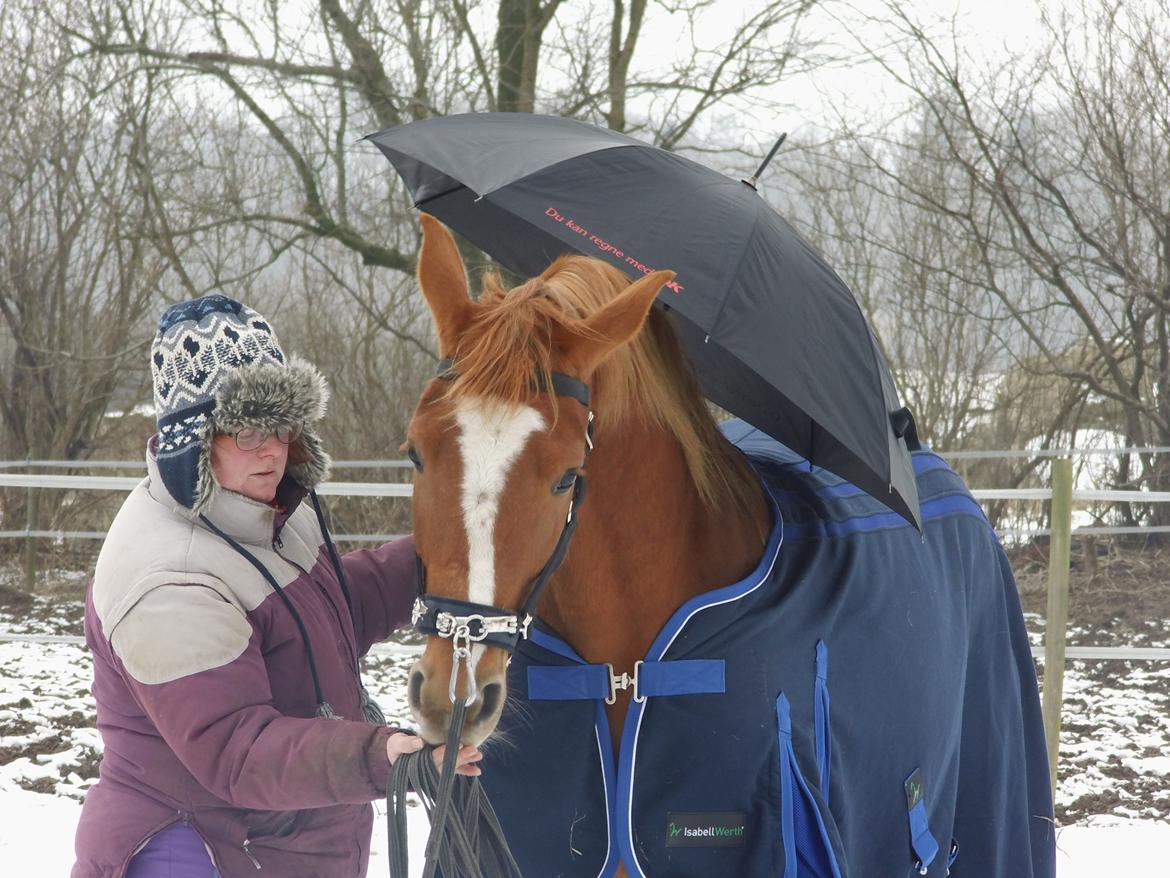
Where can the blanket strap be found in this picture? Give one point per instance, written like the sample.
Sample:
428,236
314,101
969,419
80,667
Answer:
921,841
649,680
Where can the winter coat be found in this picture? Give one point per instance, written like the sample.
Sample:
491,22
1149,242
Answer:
205,699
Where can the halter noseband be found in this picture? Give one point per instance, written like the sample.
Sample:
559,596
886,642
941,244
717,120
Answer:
465,622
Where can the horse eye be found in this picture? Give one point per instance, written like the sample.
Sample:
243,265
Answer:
566,482
412,454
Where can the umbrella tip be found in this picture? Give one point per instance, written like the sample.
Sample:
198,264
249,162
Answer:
755,178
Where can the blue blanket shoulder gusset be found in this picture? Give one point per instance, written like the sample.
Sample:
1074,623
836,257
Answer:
863,705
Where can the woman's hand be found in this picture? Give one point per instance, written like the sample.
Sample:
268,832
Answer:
401,743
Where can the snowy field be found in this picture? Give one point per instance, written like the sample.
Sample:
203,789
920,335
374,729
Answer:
1115,753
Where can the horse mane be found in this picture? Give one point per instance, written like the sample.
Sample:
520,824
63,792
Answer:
511,340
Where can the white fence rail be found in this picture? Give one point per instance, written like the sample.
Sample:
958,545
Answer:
1073,653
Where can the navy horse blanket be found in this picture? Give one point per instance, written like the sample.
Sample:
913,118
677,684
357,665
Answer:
863,705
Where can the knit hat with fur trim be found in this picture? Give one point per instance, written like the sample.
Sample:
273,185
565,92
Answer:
217,367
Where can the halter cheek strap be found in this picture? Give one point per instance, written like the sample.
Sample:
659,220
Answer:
465,622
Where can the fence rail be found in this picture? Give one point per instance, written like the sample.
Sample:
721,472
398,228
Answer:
141,464
389,649
129,483
1073,653
1052,452
403,489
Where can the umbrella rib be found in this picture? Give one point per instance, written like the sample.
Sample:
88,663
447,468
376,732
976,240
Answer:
442,194
743,248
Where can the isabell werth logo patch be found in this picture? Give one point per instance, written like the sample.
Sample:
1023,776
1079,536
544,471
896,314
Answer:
707,829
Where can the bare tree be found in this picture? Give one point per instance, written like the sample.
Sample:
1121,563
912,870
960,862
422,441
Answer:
78,269
277,104
1061,184
907,274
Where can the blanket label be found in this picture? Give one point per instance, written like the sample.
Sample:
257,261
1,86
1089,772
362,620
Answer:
693,829
915,791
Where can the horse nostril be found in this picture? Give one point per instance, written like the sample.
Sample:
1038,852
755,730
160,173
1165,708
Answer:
492,693
416,684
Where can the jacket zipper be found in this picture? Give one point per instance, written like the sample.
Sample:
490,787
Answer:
350,650
185,816
328,600
337,619
247,846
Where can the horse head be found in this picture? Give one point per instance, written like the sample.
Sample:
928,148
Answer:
499,447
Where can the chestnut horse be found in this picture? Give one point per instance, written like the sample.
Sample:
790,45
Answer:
572,376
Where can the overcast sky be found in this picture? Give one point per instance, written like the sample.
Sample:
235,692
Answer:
990,29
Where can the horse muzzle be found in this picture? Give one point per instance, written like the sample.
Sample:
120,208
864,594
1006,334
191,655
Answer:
441,675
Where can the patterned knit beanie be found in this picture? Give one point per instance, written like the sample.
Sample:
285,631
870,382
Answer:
217,367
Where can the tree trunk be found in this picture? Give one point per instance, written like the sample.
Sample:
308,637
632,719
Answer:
621,52
518,46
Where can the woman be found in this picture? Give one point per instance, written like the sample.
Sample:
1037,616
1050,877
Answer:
226,630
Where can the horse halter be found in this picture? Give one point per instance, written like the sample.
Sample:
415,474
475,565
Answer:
465,622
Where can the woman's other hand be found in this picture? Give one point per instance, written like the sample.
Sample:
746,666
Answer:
401,743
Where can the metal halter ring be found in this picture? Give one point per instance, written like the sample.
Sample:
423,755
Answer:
462,653
470,628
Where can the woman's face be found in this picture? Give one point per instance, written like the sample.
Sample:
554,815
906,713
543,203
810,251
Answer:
254,473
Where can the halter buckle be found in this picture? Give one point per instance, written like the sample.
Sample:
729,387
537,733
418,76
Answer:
471,629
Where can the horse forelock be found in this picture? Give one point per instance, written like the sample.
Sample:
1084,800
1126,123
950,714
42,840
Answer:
510,342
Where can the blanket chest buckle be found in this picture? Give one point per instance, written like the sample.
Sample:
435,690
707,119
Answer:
624,681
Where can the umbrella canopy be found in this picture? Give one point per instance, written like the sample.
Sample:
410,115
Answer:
775,336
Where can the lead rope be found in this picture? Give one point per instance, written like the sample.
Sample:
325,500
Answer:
371,711
460,814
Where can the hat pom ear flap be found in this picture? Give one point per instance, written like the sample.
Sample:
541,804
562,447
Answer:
586,343
315,464
207,485
443,281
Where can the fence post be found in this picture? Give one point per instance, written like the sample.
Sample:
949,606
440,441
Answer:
1057,621
30,543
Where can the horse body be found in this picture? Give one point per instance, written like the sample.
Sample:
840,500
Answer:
726,581
651,546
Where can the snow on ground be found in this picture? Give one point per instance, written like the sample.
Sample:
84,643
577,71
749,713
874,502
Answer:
1115,733
1115,742
38,840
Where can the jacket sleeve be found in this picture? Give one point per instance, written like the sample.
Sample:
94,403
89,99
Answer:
193,662
382,588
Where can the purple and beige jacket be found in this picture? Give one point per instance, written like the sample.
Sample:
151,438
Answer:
205,700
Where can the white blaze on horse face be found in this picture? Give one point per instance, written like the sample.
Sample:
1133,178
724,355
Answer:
491,437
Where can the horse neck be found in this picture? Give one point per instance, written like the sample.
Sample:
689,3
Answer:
645,543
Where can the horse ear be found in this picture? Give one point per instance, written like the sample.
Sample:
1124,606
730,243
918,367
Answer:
443,281
599,334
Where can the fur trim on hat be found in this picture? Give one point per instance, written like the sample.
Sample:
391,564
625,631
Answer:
267,396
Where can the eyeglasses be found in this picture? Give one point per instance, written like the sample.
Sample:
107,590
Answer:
251,438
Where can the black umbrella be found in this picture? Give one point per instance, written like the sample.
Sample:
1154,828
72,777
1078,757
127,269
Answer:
775,336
